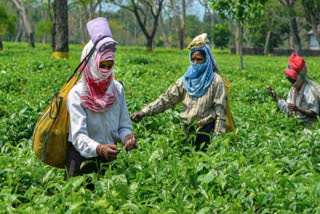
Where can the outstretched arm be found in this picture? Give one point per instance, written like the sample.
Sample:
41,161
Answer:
169,99
282,104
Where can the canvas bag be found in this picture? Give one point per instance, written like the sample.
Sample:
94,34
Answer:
230,126
50,135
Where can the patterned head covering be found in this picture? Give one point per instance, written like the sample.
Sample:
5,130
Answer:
98,89
198,77
295,65
199,41
100,34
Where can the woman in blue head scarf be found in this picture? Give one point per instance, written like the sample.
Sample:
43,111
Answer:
200,74
202,92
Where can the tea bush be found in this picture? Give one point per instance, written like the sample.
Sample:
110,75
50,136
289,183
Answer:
270,164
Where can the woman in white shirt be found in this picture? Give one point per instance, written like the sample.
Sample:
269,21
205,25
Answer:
99,118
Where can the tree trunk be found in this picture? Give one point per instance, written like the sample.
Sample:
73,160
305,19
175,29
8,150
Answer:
315,30
149,44
1,45
241,54
141,9
44,38
295,34
19,30
289,4
311,10
164,35
209,9
267,49
212,23
238,37
179,23
268,45
23,15
233,36
155,13
60,43
31,36
82,29
183,21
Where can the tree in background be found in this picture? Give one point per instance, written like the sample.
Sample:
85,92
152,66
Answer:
275,25
179,20
289,5
147,14
268,31
221,35
271,30
23,17
312,15
125,27
193,27
209,18
164,40
41,16
87,10
242,12
6,24
60,39
43,30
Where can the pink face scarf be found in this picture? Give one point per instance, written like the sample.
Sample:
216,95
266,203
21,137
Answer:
98,93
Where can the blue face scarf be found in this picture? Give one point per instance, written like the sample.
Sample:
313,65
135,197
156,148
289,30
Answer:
198,77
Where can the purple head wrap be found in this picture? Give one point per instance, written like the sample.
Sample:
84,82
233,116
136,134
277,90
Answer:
100,33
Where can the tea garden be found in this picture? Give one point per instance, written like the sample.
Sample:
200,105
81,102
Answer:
270,164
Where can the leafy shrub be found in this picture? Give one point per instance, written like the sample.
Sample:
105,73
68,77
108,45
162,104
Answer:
269,165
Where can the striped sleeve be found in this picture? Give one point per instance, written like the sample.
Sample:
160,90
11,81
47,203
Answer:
165,101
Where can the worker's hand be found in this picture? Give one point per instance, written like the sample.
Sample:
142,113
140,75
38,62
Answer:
271,92
130,142
292,107
137,116
107,151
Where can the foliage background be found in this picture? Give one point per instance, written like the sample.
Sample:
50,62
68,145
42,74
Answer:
269,165
200,17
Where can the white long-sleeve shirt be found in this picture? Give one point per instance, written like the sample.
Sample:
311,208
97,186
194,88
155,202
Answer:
308,102
88,129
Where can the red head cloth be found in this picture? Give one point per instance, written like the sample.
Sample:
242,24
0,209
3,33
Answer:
291,73
295,64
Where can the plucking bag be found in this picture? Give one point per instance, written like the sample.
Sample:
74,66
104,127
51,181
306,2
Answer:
230,126
50,135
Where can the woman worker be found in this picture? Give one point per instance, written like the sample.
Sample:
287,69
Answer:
99,117
202,92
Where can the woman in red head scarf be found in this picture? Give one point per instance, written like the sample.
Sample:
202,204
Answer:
302,102
99,117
